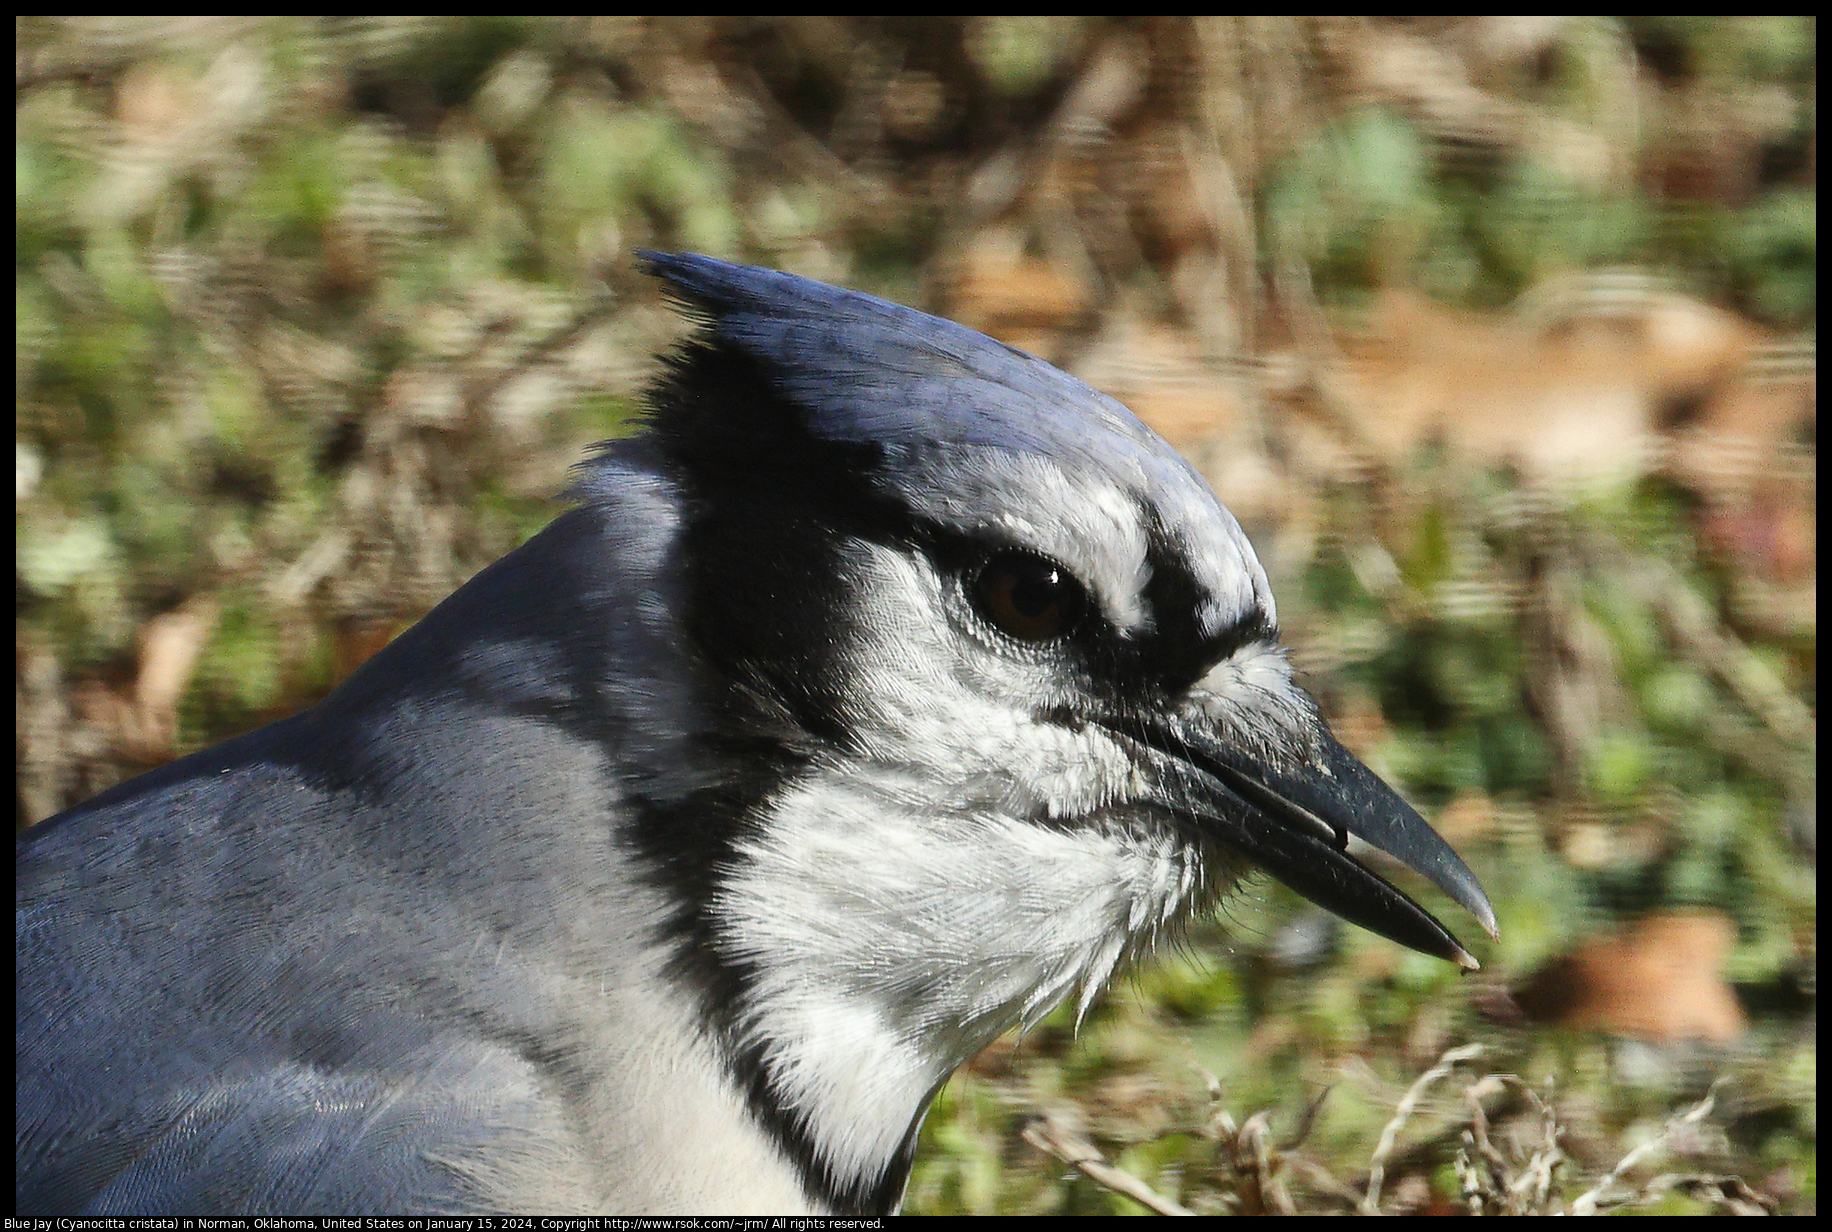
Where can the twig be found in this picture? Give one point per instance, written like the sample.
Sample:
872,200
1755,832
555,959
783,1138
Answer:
1377,1167
1588,1202
1054,1139
1254,1156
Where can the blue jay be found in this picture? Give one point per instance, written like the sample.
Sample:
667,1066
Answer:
890,687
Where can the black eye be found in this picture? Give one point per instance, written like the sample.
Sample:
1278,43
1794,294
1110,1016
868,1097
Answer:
1028,597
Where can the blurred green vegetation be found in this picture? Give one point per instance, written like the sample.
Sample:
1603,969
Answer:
313,314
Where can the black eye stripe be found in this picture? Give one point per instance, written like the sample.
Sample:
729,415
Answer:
1038,604
1183,651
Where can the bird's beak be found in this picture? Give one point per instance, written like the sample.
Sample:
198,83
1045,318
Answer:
1291,814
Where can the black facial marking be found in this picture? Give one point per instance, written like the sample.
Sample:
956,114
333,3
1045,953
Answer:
1176,598
1121,671
766,603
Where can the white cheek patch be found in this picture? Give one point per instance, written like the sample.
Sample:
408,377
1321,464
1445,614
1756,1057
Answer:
888,945
956,715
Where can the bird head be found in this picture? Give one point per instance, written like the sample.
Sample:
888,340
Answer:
999,690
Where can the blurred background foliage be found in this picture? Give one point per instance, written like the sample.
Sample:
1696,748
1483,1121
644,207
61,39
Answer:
1497,333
